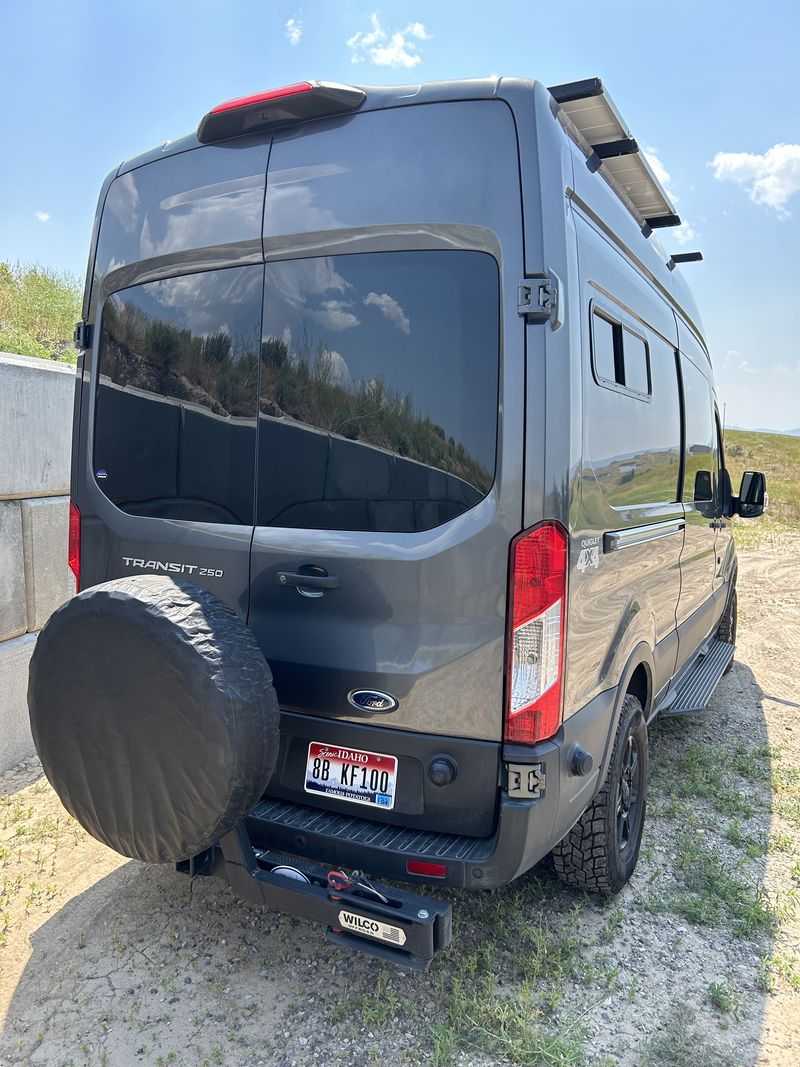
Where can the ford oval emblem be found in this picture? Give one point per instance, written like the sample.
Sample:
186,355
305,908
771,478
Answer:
371,700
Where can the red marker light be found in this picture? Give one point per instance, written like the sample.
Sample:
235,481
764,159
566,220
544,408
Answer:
431,870
261,98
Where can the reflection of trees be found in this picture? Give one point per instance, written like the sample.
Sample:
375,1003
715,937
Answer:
215,370
305,383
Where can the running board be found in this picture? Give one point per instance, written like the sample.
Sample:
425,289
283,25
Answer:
392,924
695,690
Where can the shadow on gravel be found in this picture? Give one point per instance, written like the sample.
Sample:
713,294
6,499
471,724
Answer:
147,968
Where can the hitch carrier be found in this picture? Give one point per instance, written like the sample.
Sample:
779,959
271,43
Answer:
403,928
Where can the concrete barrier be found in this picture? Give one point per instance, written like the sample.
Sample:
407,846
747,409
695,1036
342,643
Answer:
36,399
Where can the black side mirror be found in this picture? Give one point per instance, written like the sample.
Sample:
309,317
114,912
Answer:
752,495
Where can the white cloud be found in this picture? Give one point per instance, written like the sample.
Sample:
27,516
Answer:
771,178
684,233
42,216
390,309
395,49
338,371
294,29
735,361
334,315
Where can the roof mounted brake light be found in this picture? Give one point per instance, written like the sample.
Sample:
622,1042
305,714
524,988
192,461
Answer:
291,103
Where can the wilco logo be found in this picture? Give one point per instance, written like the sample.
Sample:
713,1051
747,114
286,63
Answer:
371,700
362,924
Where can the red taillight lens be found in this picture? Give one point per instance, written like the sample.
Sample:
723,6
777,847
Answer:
74,550
260,98
535,638
432,870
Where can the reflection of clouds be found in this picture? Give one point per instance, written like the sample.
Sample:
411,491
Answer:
201,222
123,202
334,315
195,300
390,309
294,280
291,208
338,369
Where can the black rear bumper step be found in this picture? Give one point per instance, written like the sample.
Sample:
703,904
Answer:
696,688
292,826
392,924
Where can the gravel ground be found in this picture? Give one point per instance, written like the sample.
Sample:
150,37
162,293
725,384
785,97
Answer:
697,962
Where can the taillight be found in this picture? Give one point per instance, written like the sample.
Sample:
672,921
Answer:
535,638
74,550
291,103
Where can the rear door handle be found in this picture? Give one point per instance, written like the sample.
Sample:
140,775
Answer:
309,581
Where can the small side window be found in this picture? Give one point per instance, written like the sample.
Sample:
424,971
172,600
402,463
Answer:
637,376
607,349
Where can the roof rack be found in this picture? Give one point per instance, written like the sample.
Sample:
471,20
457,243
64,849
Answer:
590,118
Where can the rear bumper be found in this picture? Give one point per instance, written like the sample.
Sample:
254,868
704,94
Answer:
526,829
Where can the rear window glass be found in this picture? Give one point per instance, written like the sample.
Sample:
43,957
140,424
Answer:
635,359
378,392
175,418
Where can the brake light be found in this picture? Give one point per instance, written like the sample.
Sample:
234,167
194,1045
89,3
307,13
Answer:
535,634
261,98
432,870
74,549
274,107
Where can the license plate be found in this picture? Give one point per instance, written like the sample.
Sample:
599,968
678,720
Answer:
351,774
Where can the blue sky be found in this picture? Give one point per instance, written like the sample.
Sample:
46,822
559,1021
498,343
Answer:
707,86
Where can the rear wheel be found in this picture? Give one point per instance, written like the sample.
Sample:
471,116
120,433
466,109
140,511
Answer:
727,625
599,853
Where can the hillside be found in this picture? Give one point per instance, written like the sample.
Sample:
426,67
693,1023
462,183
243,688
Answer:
38,311
778,455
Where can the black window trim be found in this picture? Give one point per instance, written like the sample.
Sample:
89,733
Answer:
622,326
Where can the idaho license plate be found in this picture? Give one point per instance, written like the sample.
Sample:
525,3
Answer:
351,774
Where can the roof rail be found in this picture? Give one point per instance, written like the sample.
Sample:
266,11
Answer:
589,116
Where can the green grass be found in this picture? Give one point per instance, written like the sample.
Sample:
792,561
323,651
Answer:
684,1043
778,455
38,311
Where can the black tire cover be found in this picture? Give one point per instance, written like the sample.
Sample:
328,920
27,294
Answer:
154,715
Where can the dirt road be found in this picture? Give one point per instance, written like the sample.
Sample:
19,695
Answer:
696,963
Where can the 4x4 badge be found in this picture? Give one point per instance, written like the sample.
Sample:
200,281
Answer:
371,700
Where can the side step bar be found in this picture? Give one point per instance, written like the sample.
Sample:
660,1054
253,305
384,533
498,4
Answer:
392,924
694,691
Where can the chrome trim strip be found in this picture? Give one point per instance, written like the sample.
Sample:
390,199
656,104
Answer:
615,540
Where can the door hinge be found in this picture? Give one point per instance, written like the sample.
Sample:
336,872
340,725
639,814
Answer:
82,337
538,298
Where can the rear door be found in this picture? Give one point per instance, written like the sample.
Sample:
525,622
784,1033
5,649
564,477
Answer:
166,469
391,415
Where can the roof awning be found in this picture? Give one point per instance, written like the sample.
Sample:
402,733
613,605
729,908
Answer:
591,119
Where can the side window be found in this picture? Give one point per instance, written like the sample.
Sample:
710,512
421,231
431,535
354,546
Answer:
607,349
635,357
621,357
379,390
699,459
175,414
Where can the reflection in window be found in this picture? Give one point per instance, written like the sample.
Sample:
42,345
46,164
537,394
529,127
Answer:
607,349
635,358
379,378
176,396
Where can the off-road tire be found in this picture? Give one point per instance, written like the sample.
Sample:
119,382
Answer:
591,856
727,624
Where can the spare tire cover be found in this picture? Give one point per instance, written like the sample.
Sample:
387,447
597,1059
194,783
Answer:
154,715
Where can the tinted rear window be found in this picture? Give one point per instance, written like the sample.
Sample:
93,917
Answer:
378,395
175,420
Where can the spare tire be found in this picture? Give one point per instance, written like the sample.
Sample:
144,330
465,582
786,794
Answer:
154,715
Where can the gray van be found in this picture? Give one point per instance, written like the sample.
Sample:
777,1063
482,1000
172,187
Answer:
399,502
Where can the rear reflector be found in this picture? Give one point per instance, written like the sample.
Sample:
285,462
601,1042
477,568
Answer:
432,870
291,103
74,550
535,639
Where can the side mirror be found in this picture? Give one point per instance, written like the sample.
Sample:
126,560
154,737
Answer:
752,495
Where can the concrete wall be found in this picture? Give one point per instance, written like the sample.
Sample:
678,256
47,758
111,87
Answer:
35,429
